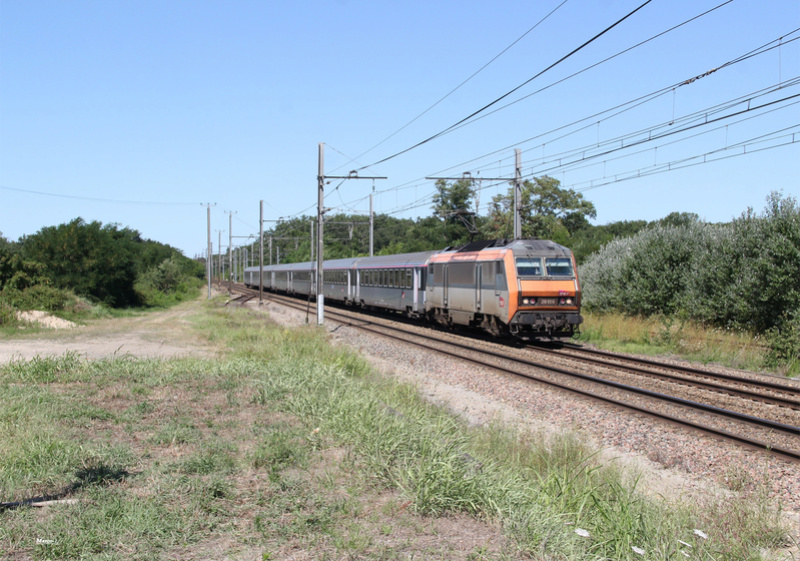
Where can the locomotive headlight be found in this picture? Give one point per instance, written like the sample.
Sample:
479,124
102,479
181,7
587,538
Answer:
526,301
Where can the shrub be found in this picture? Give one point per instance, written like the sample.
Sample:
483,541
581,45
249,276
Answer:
8,315
167,283
784,343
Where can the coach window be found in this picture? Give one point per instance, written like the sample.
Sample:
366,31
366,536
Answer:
438,274
462,274
409,280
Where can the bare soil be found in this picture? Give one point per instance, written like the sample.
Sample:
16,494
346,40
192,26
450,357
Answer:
160,334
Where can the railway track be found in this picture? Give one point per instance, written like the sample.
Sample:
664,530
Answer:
762,416
761,389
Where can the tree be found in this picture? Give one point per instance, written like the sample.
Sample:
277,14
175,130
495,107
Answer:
452,203
93,260
547,211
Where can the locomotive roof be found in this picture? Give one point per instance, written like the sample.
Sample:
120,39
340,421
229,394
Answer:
543,247
474,250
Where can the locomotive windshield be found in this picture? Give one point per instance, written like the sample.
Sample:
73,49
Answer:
559,267
529,266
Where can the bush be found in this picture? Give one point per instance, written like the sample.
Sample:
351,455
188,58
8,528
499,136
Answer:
784,343
643,275
167,283
8,315
41,297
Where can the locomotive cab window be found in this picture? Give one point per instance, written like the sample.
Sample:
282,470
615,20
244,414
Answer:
529,266
500,277
559,267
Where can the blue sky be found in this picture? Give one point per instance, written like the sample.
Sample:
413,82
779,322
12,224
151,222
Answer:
137,113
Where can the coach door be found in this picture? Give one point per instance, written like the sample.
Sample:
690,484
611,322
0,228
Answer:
478,277
446,285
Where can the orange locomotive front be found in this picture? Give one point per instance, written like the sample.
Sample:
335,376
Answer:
544,293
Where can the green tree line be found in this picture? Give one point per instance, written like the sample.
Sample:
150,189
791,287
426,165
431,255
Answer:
58,266
547,210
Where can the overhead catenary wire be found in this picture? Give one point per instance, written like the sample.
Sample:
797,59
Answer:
588,161
99,199
791,138
630,104
508,93
673,126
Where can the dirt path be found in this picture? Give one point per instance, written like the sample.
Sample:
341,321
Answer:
159,334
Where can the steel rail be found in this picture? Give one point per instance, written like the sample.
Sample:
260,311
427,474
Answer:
744,393
698,371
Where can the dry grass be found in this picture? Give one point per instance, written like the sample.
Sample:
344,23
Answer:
658,335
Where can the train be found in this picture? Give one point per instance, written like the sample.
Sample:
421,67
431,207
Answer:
523,288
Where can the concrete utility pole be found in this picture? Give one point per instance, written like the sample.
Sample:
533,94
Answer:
261,253
219,257
320,220
230,214
517,193
320,214
371,223
208,246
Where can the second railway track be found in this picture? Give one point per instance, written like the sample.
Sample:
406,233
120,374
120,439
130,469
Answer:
761,416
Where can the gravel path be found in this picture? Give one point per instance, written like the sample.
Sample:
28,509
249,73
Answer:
673,461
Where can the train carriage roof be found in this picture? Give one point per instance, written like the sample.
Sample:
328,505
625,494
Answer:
469,252
419,259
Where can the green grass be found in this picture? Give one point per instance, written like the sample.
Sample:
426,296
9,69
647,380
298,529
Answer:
288,443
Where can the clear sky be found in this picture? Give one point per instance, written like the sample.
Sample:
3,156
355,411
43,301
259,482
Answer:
138,112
